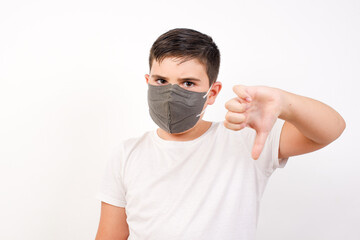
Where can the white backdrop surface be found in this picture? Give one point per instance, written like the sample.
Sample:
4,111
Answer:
72,85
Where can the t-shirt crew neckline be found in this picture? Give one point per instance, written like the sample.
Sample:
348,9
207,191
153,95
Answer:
158,139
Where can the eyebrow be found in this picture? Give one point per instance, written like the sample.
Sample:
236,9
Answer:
182,79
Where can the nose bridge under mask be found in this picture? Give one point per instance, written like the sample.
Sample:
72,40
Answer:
176,90
182,96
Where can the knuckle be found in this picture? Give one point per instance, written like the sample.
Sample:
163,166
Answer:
240,126
237,127
228,116
241,117
241,108
227,104
226,124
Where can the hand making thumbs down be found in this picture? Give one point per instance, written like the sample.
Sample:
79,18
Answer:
256,107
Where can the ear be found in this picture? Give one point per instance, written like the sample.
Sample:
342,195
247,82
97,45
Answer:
147,78
214,92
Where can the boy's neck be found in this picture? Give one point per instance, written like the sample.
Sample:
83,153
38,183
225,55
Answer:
199,129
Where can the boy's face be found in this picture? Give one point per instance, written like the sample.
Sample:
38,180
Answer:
190,75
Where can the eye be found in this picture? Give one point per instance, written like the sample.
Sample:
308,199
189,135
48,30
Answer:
160,81
188,84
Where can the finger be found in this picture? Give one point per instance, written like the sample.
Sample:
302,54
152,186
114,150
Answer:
234,105
234,127
235,118
259,143
240,90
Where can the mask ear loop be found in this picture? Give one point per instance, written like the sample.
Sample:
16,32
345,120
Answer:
205,97
208,91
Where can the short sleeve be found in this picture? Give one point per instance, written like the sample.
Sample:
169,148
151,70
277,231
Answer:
112,190
275,142
269,157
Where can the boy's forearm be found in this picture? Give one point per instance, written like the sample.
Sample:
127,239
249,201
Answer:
316,120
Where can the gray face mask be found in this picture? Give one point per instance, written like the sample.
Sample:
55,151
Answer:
175,109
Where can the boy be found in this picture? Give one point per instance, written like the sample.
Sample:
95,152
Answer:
197,180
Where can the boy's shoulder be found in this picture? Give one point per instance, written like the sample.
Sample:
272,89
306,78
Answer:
133,142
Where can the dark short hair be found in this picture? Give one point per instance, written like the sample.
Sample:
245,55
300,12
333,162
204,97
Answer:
187,44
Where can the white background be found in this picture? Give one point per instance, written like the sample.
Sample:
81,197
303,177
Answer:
72,85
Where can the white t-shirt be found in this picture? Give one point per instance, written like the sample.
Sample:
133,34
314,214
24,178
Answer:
208,188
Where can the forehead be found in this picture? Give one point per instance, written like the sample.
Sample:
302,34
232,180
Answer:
173,67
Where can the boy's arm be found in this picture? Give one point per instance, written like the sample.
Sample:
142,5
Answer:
112,223
309,124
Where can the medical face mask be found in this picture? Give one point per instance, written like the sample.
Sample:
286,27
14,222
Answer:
175,109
